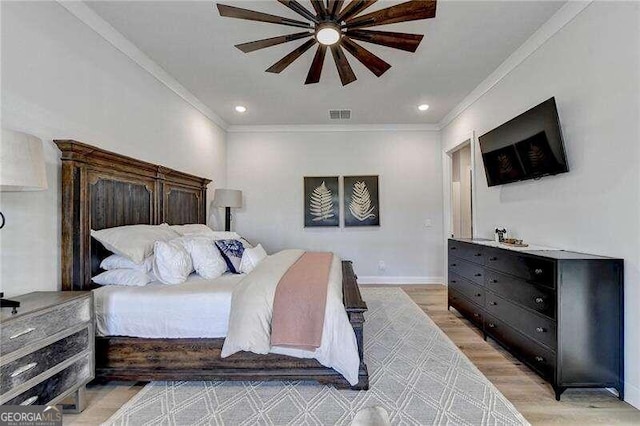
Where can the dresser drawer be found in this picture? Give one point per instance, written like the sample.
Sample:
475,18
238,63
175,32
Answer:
539,299
31,328
19,371
56,385
468,289
533,354
534,269
535,326
466,269
470,310
471,252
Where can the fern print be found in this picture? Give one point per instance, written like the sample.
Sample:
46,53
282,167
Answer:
536,157
321,203
360,205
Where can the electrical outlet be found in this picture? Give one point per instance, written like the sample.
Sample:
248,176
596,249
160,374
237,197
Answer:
382,266
428,223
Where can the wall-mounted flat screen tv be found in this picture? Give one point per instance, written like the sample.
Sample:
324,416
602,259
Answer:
527,147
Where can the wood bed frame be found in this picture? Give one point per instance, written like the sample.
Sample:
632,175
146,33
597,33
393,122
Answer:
102,189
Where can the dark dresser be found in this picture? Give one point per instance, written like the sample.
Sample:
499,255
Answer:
559,312
47,349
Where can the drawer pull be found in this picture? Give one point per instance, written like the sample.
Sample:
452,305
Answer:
537,271
478,294
540,330
454,248
494,281
478,275
539,300
23,369
453,281
539,358
478,254
493,303
477,315
491,325
29,401
493,259
454,264
22,333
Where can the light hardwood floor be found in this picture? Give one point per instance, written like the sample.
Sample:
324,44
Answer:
531,395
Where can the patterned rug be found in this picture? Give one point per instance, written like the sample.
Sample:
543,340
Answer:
417,374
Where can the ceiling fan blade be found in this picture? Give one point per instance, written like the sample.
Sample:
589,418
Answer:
334,6
368,59
353,8
283,63
316,65
299,9
318,5
251,15
268,42
408,11
402,41
344,69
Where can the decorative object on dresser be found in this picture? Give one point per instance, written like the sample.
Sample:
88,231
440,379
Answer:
47,351
361,201
560,312
321,201
227,198
152,194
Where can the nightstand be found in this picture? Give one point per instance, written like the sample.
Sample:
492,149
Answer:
47,349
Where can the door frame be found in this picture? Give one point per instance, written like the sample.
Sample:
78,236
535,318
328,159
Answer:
447,176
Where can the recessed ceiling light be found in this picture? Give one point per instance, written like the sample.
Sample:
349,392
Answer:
241,108
423,107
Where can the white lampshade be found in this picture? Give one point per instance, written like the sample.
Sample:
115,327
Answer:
21,162
227,198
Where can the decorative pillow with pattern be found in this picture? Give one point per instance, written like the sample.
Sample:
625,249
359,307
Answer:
232,251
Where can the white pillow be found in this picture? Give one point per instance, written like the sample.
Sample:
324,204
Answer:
115,261
251,257
193,229
171,262
225,235
129,277
135,242
206,258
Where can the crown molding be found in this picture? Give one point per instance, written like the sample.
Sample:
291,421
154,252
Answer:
310,128
550,28
85,14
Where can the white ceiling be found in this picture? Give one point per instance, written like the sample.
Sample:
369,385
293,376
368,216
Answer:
463,44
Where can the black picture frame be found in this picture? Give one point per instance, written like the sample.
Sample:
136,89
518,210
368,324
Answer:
361,201
321,201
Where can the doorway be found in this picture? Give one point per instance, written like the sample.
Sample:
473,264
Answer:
461,193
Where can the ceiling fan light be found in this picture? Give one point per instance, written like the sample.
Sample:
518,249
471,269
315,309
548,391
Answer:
328,35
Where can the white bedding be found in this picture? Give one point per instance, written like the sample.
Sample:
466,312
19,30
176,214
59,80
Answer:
201,308
195,308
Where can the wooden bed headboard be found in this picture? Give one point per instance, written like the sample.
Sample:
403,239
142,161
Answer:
102,189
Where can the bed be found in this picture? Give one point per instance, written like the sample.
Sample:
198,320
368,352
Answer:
102,189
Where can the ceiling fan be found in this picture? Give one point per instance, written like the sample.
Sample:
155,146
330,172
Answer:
334,27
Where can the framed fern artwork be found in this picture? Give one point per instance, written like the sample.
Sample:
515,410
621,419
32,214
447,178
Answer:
361,201
321,201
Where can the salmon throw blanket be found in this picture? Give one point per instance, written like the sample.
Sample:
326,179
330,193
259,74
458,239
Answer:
300,301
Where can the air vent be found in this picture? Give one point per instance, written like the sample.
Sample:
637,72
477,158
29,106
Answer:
340,114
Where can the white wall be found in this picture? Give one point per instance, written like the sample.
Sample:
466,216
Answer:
62,80
591,66
269,168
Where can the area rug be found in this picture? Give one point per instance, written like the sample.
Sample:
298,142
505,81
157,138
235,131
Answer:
416,374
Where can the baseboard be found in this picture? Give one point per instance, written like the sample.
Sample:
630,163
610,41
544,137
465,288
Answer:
381,279
632,395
